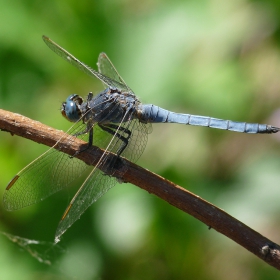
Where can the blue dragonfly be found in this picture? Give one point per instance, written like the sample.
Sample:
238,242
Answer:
114,120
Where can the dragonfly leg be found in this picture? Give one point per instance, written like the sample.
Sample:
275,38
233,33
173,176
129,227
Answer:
86,130
89,129
111,128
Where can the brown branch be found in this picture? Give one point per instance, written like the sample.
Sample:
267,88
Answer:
190,203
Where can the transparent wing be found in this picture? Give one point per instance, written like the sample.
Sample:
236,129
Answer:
106,67
97,182
97,185
80,65
46,175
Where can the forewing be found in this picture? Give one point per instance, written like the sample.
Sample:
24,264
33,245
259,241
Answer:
78,64
46,175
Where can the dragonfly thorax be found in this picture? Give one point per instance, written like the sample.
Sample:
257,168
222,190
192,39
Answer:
109,106
71,108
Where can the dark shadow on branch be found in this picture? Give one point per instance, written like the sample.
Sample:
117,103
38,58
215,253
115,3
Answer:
188,202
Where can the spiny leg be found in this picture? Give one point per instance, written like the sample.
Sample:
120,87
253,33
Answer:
112,128
117,127
89,130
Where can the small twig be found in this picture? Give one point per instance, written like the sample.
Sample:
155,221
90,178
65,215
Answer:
190,203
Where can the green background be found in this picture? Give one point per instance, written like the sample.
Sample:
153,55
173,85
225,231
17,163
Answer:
218,58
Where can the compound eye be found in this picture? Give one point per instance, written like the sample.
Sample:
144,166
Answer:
71,108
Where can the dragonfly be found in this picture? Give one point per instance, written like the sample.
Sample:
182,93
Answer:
114,120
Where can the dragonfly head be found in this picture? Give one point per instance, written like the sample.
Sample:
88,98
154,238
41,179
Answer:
71,108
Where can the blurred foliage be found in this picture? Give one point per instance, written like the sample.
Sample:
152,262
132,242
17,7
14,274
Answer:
218,58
